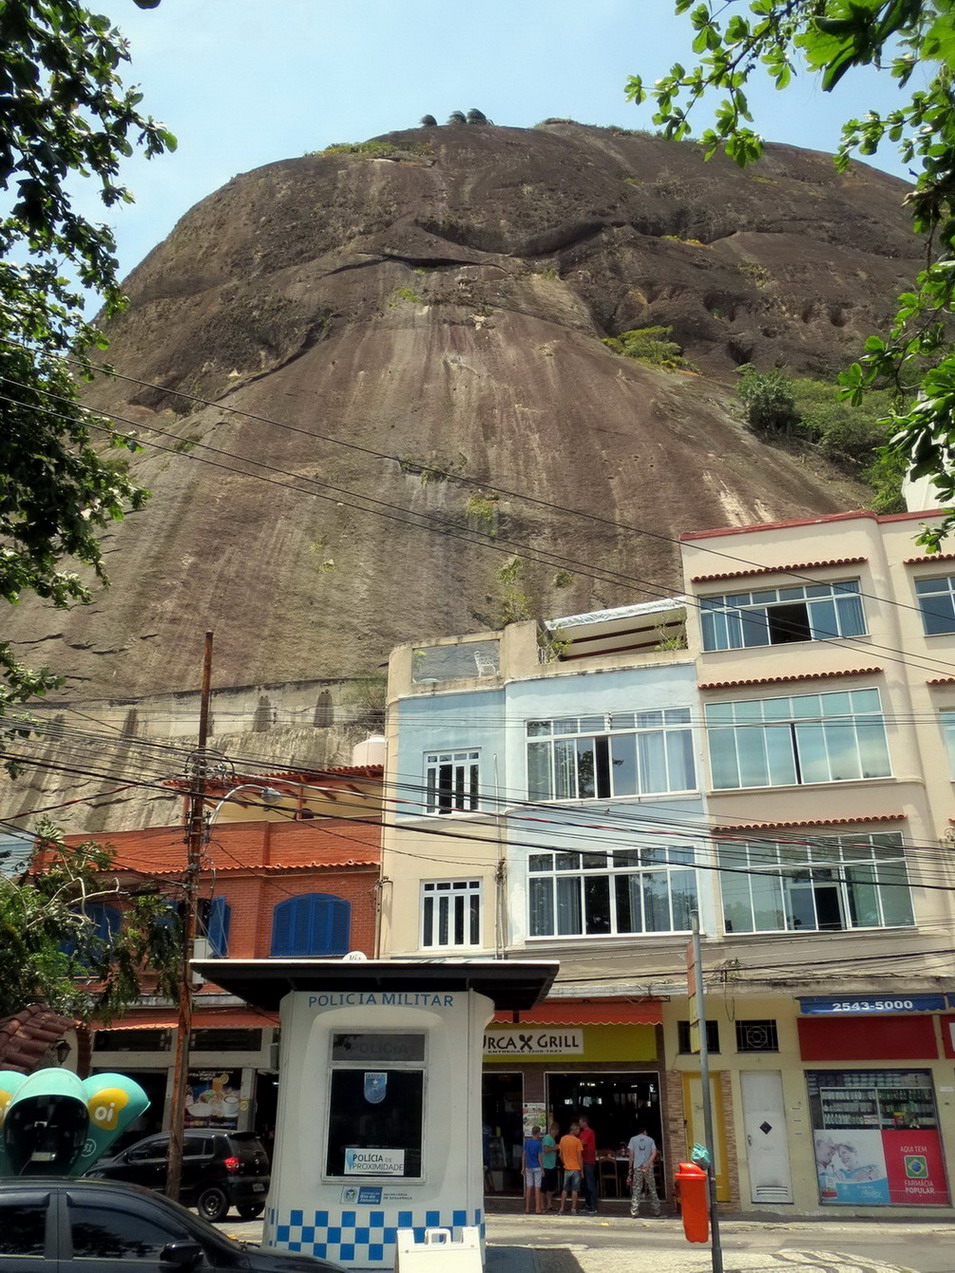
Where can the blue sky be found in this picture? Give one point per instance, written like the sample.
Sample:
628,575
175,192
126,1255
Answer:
246,82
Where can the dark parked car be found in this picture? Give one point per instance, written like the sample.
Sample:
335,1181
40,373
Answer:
68,1225
219,1170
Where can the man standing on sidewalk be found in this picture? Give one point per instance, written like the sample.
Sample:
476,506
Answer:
589,1142
571,1156
642,1152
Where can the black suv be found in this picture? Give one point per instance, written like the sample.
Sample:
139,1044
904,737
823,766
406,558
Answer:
71,1225
219,1170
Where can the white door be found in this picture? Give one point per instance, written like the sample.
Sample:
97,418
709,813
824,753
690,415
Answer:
767,1144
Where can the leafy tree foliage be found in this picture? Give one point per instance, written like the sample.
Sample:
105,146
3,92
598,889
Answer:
428,121
817,413
913,41
651,345
51,951
63,112
457,117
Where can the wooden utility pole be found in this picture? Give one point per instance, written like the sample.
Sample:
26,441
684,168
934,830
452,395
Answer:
195,842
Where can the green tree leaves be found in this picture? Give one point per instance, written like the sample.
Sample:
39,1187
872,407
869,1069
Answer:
830,38
64,112
51,951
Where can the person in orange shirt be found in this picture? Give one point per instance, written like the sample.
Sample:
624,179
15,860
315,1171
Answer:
572,1158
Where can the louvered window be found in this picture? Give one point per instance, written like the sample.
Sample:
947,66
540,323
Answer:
215,921
313,924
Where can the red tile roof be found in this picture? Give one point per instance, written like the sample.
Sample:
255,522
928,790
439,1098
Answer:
928,559
797,568
781,680
26,1038
942,680
810,822
690,536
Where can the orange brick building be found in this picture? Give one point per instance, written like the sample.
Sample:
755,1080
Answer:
290,867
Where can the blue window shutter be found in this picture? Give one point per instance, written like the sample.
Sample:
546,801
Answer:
220,913
313,924
339,915
106,920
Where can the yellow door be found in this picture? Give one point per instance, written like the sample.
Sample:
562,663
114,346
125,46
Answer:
693,1107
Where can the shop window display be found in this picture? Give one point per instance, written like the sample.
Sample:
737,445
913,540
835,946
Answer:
876,1139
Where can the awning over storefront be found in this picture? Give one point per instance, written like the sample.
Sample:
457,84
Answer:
166,1019
585,1012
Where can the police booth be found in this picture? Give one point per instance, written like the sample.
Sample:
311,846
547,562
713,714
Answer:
379,1103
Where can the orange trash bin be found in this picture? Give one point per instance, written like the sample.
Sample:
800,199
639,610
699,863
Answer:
693,1185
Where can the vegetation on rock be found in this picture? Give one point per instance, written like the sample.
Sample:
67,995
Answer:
650,345
912,41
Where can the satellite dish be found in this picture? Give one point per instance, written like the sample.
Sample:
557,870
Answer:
354,956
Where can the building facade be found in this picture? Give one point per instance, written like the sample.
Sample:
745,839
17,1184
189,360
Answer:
579,792
290,869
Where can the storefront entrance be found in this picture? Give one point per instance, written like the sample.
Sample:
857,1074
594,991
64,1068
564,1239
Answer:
503,1119
615,1104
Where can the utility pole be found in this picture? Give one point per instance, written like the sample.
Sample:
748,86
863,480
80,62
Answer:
195,842
698,1010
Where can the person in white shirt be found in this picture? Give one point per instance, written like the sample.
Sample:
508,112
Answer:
642,1153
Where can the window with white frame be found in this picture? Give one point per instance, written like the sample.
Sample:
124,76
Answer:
450,913
601,756
778,616
936,598
834,882
947,718
647,890
452,781
799,739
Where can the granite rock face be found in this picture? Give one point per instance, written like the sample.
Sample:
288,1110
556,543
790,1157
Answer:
319,342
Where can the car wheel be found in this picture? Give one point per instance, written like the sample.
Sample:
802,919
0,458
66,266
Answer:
212,1204
250,1210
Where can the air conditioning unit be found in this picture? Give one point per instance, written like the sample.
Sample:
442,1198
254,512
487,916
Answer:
200,950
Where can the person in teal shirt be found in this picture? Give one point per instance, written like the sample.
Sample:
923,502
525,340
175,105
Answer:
549,1183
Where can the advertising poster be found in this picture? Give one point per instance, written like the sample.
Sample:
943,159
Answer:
876,1139
213,1099
535,1115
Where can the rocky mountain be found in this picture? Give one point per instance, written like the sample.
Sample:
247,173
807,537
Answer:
366,379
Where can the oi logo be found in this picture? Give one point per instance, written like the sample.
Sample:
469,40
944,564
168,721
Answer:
916,1167
105,1106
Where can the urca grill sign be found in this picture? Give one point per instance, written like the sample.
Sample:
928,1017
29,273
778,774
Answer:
550,1041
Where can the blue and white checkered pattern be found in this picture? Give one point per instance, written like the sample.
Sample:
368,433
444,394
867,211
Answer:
364,1238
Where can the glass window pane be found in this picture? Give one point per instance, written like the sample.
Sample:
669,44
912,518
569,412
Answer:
723,759
565,771
780,755
682,773
652,762
627,895
737,905
873,749
656,902
541,908
683,890
768,915
895,895
539,783
623,764
863,897
390,1116
597,903
22,1228
751,743
102,1233
851,617
568,906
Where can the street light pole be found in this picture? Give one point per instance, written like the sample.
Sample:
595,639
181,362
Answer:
195,841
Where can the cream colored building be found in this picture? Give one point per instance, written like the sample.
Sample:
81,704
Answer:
773,750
